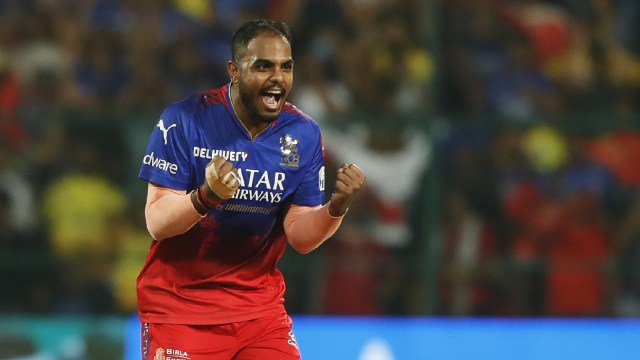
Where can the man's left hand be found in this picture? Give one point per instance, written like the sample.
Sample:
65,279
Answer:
349,181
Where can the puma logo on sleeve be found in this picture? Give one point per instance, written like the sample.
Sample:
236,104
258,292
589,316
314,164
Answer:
164,130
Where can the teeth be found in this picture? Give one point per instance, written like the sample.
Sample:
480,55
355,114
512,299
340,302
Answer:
270,102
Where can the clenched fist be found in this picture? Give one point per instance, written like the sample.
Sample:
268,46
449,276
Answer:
221,178
221,183
349,181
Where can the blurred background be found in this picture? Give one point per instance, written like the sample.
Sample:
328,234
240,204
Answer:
500,140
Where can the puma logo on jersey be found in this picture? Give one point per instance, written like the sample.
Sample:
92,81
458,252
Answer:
164,130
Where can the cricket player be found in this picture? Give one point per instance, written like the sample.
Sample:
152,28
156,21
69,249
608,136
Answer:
234,175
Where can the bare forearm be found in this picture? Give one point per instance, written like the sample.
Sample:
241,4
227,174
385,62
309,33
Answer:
308,227
169,213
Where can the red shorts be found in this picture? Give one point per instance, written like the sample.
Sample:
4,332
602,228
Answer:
264,338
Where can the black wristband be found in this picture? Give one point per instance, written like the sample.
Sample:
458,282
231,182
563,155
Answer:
200,207
207,197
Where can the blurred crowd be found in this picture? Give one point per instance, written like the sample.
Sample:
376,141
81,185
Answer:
540,206
499,139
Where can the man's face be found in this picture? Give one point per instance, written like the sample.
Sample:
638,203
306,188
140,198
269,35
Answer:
265,76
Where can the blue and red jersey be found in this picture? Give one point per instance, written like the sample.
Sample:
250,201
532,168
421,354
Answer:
224,268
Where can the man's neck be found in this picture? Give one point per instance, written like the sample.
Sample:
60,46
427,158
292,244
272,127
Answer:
253,127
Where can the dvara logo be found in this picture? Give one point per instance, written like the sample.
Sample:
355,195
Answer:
161,164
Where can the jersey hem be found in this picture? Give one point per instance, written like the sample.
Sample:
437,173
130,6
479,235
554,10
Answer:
204,320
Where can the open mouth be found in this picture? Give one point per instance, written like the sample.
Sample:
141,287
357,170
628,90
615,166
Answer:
272,99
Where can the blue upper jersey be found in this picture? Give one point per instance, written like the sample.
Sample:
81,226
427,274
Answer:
284,163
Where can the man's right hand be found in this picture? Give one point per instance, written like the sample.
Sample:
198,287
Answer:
222,179
221,183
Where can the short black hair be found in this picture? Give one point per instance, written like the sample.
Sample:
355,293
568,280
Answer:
251,29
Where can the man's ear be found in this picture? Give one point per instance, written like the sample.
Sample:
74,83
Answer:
233,70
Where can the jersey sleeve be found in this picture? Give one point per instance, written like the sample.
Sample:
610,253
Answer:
166,161
310,192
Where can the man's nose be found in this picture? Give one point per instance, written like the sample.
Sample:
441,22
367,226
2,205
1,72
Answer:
277,76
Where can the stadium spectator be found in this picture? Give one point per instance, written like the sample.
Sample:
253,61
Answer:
81,209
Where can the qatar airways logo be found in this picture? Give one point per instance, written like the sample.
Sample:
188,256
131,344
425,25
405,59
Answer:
161,164
260,185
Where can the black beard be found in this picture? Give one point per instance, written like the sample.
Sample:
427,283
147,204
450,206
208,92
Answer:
249,104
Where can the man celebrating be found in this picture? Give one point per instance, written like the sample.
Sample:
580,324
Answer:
234,175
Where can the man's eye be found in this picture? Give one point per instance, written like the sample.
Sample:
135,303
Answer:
262,67
287,67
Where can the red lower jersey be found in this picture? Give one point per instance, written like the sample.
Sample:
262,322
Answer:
200,279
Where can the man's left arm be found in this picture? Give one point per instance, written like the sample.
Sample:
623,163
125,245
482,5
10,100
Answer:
307,227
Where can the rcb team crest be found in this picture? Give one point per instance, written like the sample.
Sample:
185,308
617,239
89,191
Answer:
289,151
159,354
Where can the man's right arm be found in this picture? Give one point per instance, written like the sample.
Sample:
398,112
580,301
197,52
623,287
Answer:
169,212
